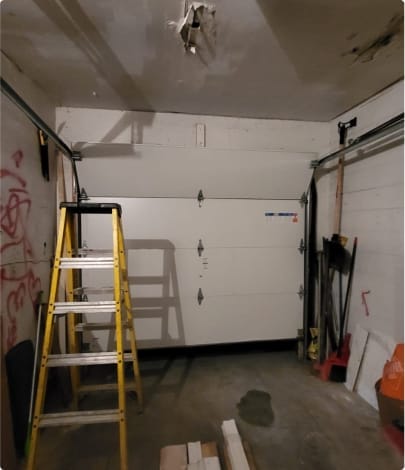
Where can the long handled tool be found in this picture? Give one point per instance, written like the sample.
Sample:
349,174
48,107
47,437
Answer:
34,370
347,298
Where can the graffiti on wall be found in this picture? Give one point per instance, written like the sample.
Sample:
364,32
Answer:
19,283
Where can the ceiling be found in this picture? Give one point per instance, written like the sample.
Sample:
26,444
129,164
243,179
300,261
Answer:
285,59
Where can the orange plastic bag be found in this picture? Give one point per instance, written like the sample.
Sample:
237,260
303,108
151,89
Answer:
392,382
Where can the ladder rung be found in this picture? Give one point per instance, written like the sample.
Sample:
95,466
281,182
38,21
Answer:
83,359
94,290
86,263
91,251
97,326
102,306
78,417
129,386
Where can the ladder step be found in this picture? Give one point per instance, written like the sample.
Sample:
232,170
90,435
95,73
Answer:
129,386
78,417
94,290
83,359
86,263
92,251
80,327
103,306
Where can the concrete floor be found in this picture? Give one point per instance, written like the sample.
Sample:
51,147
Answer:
316,426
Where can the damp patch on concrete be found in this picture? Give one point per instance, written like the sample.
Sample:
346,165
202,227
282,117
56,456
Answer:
255,408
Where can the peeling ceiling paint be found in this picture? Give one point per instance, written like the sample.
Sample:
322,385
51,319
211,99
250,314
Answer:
307,60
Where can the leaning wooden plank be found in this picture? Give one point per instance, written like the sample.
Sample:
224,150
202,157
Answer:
194,452
173,457
357,348
234,446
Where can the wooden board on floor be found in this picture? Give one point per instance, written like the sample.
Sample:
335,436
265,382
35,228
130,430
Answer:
209,449
194,452
207,463
175,457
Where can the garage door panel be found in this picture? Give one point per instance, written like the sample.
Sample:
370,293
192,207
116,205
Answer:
226,319
159,223
244,223
174,272
251,270
155,171
173,222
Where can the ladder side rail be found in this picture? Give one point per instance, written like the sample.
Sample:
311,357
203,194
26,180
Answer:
47,342
129,316
119,340
72,316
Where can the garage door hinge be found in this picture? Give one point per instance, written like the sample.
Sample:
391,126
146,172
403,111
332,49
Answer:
302,246
301,292
83,195
200,247
200,296
200,198
304,199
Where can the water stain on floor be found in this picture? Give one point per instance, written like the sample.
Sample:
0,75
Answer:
255,408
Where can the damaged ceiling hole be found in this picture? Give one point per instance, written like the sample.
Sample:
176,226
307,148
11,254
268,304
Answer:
198,21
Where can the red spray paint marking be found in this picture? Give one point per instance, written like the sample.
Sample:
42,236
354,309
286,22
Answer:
364,302
19,284
17,157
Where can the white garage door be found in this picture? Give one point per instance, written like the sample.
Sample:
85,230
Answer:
248,274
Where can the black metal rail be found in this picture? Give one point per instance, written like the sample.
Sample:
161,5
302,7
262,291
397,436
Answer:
392,125
15,98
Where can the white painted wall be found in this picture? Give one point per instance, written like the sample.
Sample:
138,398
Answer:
27,209
373,210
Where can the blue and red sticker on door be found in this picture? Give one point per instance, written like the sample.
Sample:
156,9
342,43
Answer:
282,216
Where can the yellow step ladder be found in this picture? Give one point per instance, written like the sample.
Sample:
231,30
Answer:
71,259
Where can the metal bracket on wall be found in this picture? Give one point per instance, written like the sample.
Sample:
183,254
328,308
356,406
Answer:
301,247
304,199
77,156
200,296
301,292
343,127
200,198
314,164
200,247
83,195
